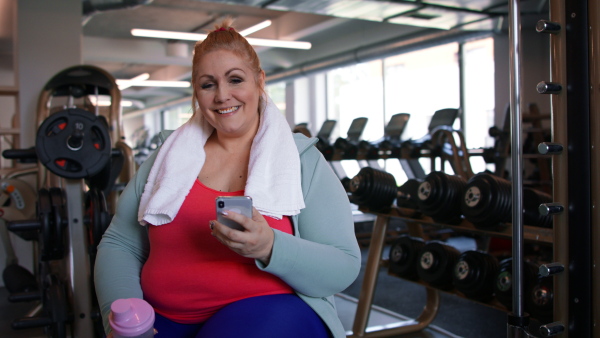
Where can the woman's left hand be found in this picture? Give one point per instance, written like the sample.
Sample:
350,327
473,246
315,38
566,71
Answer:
255,242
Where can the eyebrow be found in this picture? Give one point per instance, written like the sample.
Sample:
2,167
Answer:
226,73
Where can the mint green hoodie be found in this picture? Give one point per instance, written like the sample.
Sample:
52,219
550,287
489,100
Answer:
321,259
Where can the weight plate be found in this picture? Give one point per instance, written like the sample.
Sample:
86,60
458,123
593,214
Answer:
73,143
403,256
374,189
436,263
440,197
474,275
487,201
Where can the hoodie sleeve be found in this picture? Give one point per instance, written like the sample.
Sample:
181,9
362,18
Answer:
324,257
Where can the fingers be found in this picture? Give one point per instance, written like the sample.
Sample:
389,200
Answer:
255,242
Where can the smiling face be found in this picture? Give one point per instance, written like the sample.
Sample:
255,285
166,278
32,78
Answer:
227,91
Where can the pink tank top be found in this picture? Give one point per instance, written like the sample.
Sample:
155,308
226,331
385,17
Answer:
189,274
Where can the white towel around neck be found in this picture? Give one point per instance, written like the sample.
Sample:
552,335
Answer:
274,181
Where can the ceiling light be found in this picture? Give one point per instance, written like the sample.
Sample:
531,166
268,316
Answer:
141,77
154,83
256,28
197,37
106,101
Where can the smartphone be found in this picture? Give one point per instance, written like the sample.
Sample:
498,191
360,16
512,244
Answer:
240,204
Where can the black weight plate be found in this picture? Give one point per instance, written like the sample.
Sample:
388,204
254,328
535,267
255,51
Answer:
436,264
59,222
403,257
474,275
96,215
374,189
487,201
44,214
407,194
503,284
439,197
73,143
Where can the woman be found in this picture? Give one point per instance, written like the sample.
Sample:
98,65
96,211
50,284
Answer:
277,277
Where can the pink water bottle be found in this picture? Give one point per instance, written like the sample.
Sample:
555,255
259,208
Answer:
131,317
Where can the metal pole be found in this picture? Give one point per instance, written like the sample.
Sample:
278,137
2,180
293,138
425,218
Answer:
517,319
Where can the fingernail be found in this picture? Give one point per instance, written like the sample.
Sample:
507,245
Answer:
224,212
212,225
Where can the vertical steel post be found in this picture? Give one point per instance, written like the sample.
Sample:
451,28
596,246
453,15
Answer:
517,320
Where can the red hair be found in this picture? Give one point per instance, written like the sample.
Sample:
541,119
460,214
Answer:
225,37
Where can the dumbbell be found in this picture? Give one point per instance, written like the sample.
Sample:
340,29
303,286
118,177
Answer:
403,257
487,201
408,194
374,189
436,263
474,275
503,284
440,195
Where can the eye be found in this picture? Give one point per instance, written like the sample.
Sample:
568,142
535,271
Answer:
236,80
207,85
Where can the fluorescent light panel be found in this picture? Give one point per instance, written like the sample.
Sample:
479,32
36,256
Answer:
105,102
149,33
256,28
132,81
154,83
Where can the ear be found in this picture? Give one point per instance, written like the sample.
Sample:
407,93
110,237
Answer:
261,79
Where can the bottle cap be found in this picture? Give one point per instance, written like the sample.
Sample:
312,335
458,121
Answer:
131,317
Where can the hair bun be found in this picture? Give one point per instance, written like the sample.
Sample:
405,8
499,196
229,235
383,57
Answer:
223,29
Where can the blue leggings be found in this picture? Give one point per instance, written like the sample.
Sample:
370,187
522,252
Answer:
272,316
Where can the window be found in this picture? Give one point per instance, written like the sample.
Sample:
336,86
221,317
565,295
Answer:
352,92
420,83
478,100
277,93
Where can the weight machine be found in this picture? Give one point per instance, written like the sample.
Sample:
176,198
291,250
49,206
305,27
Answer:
83,164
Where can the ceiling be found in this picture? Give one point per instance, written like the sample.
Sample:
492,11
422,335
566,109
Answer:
334,27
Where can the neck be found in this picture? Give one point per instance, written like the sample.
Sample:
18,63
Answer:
233,144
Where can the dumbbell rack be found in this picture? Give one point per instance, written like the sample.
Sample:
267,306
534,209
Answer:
415,228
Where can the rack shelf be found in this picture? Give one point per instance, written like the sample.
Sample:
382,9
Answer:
531,233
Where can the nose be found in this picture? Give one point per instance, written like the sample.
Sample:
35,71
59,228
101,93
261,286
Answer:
222,94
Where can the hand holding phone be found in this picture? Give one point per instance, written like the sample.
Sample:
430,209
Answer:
238,204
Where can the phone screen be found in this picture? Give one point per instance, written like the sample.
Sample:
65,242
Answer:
239,204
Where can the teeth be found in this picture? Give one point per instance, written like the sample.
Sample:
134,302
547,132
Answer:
227,111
